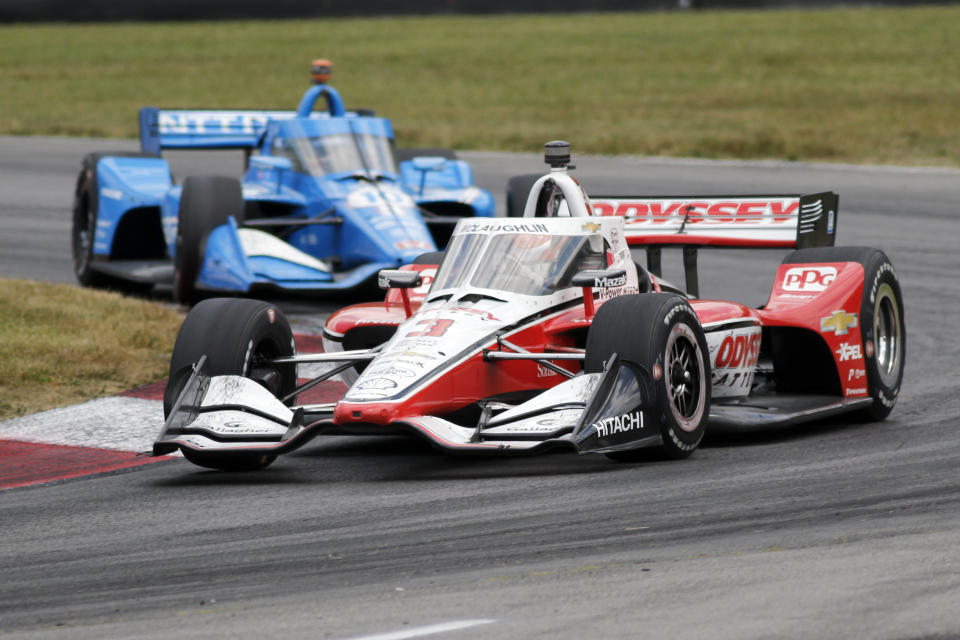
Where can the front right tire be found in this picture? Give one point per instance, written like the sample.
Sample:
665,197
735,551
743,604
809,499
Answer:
659,332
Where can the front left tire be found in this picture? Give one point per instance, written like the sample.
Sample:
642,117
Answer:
239,337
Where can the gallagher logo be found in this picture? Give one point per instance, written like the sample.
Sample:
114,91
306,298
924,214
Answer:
809,278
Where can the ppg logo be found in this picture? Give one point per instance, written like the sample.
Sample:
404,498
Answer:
809,278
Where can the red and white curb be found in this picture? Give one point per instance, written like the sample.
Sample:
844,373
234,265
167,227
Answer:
103,435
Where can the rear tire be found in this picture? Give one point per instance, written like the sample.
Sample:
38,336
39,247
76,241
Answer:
659,332
205,203
84,225
236,335
518,188
84,229
430,257
882,327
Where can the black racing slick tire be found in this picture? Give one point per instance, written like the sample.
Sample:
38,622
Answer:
882,323
430,257
518,188
238,336
205,203
403,155
659,332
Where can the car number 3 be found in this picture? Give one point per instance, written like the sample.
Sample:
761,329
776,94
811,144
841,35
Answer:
435,328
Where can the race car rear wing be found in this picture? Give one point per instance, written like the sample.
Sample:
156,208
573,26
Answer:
203,129
208,129
212,129
793,221
691,222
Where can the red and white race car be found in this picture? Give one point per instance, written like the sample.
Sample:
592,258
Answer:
538,332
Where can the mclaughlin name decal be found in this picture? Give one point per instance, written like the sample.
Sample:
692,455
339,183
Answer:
504,228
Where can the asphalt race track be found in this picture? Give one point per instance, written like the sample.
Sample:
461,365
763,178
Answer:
833,530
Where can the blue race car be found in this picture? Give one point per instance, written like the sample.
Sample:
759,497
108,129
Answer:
326,202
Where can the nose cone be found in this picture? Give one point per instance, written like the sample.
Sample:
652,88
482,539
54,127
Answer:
366,413
384,224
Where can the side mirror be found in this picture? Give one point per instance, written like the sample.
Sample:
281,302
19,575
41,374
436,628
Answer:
403,280
397,279
428,163
271,163
591,280
600,279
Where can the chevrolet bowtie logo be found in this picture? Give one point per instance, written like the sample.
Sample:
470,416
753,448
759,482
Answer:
592,227
839,322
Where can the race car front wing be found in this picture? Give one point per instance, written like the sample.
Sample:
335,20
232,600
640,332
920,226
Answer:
597,412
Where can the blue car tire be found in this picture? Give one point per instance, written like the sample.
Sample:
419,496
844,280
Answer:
206,203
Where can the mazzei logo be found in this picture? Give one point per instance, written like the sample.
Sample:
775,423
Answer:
809,278
619,424
393,372
602,283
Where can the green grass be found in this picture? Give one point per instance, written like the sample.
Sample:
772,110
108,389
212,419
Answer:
859,85
61,345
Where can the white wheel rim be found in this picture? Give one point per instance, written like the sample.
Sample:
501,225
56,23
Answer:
888,336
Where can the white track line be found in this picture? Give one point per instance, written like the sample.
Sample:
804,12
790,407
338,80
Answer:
418,632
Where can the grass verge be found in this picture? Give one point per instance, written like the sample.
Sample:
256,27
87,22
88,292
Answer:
61,344
875,85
